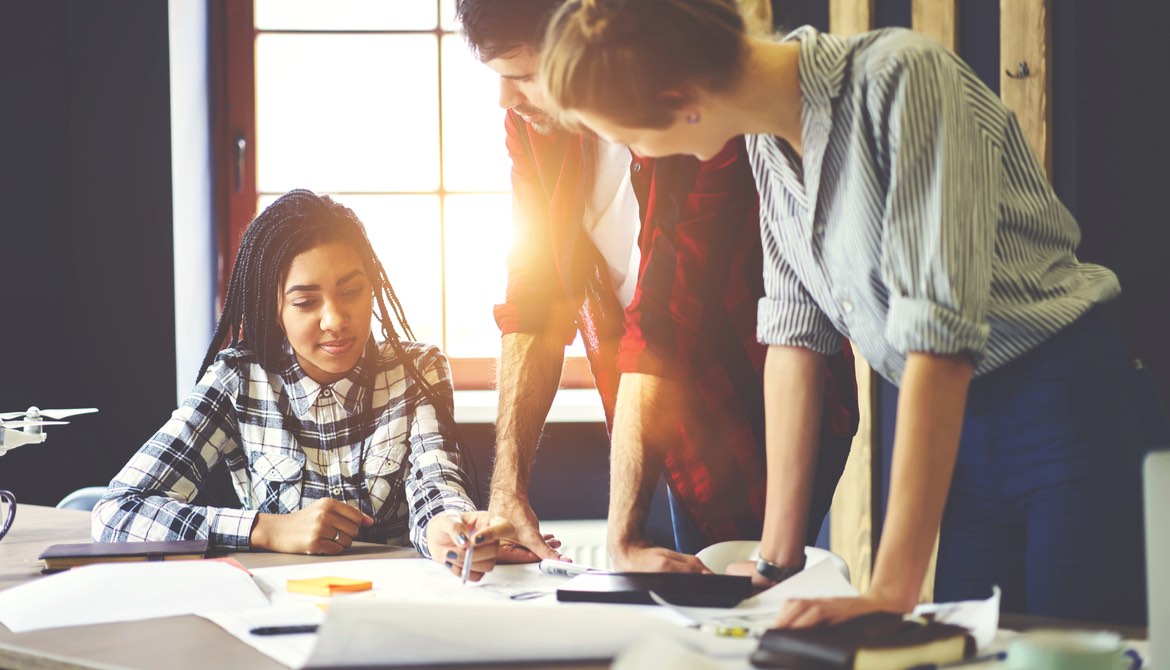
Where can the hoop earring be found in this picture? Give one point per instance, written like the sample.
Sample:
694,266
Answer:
692,119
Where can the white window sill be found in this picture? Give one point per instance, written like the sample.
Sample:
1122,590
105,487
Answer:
569,406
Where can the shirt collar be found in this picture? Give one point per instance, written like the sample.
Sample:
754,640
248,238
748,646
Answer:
350,391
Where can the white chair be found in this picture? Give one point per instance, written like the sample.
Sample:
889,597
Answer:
83,499
718,556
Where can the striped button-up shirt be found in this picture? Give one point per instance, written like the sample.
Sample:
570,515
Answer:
916,218
371,440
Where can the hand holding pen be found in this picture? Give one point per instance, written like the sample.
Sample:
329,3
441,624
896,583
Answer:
467,543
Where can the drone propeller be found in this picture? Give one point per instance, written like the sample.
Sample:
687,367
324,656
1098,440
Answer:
34,413
22,424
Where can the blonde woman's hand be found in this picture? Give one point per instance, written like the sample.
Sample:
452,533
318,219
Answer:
325,527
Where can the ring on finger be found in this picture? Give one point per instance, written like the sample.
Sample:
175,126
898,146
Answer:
336,534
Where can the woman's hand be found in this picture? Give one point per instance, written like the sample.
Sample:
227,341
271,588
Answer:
815,611
326,527
449,535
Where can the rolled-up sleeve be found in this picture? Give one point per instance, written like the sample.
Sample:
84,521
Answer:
941,212
437,482
787,314
150,499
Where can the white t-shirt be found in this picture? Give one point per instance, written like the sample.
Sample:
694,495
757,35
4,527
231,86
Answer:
611,218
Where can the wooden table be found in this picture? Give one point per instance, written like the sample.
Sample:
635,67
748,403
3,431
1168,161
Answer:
175,643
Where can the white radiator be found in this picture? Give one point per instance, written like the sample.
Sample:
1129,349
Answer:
581,540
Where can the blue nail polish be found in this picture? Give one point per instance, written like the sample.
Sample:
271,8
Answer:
452,555
479,539
461,539
449,564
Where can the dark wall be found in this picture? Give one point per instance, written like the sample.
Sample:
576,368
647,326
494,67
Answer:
85,248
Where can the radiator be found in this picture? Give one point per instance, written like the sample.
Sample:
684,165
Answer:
581,540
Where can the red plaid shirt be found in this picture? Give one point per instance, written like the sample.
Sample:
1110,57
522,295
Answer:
692,319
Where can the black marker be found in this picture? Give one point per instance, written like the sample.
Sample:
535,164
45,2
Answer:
284,630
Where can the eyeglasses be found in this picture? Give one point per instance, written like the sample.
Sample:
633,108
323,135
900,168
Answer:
7,511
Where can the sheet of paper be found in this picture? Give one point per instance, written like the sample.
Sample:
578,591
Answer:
981,617
384,633
127,592
685,653
289,650
418,580
757,613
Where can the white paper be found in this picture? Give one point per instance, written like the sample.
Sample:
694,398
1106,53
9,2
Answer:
981,617
417,580
681,652
822,580
383,633
112,592
291,650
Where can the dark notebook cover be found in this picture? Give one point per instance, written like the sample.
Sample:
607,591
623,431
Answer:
836,645
70,555
633,588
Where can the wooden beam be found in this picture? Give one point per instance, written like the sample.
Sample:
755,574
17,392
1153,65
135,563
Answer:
851,525
849,17
937,19
1025,40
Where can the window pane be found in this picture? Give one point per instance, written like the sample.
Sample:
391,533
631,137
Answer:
404,230
474,155
342,113
447,15
346,14
478,237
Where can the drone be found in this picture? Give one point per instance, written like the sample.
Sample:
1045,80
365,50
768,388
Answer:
28,430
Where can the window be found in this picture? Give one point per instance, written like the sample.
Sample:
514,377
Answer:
381,105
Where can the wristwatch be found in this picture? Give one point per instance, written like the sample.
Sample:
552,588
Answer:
778,573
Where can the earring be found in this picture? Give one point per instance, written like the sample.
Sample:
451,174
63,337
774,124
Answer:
693,118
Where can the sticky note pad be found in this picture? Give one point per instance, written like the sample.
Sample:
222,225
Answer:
327,586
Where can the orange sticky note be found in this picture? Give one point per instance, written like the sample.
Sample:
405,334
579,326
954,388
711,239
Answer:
327,586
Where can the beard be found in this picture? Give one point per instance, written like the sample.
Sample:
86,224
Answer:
538,119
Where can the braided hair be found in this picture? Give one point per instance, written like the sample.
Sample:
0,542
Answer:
296,222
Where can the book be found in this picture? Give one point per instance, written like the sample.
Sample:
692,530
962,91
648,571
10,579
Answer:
327,586
677,588
65,556
878,641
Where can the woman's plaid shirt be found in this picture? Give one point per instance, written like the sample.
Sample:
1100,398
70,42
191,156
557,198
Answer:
286,441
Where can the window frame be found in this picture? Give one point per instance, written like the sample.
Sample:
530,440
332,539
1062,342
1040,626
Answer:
232,62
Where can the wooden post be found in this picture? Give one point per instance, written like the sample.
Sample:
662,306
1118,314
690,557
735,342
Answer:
1025,28
937,20
851,529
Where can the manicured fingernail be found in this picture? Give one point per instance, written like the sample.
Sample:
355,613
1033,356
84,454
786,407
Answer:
480,538
452,555
449,564
461,539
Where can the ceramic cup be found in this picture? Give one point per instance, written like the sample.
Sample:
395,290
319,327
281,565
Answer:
1067,650
7,511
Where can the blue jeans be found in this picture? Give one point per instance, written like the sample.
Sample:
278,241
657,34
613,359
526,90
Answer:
830,463
1046,499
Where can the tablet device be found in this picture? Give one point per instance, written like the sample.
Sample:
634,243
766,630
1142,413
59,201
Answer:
677,588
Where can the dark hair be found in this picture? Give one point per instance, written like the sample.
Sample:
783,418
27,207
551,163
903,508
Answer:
496,28
298,221
631,60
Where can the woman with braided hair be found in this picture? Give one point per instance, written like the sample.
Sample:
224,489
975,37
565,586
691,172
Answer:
327,435
902,209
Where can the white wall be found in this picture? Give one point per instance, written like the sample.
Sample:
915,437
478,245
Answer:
195,262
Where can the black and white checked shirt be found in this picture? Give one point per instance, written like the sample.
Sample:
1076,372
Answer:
287,441
916,218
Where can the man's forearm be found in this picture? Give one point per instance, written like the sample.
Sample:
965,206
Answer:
647,409
931,405
794,391
529,373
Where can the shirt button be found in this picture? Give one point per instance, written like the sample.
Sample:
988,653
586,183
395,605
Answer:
326,392
847,305
336,491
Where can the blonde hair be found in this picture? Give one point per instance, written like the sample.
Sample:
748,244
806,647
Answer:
637,61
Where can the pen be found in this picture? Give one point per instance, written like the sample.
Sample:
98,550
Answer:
467,562
284,630
966,661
